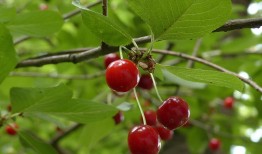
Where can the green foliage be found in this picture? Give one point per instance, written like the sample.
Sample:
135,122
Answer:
39,146
175,19
8,57
206,76
6,14
37,23
50,100
104,28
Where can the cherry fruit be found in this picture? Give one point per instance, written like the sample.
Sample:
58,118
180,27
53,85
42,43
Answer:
214,144
150,117
229,102
145,82
144,139
164,133
173,113
11,129
119,117
122,75
109,58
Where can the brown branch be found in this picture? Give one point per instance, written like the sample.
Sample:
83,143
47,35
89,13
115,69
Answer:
240,24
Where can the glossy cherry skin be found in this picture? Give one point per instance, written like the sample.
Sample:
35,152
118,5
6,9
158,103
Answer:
229,102
144,139
11,129
119,117
173,113
145,82
122,75
150,116
164,133
214,144
109,58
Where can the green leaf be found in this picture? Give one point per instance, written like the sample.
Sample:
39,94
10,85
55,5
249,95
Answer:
8,58
32,99
205,76
36,23
186,19
39,146
103,27
95,131
6,14
57,101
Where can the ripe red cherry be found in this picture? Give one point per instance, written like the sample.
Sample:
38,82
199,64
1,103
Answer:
214,144
173,113
119,117
164,133
109,58
11,129
150,116
144,139
229,102
145,82
122,75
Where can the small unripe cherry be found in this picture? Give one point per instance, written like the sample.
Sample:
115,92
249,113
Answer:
11,129
150,116
214,144
173,113
229,102
109,58
43,6
122,75
164,133
144,139
119,117
145,82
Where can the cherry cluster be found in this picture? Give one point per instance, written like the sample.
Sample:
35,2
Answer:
122,75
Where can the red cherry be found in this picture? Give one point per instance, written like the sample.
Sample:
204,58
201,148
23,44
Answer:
229,102
119,117
145,82
150,116
214,144
122,75
109,58
165,134
144,139
173,113
11,129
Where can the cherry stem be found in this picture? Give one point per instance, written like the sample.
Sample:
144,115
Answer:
139,106
151,43
120,52
154,83
134,43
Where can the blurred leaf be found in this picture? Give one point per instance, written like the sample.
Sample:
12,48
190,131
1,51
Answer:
103,27
205,76
36,23
6,14
39,146
95,131
57,101
187,19
8,57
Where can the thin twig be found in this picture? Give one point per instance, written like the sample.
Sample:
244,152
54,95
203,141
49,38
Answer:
205,62
194,54
60,136
57,76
